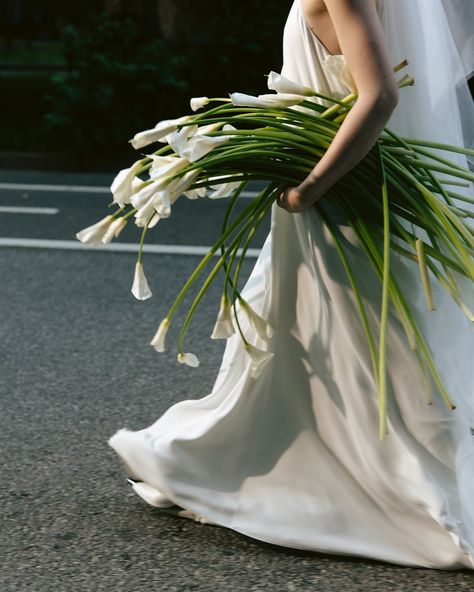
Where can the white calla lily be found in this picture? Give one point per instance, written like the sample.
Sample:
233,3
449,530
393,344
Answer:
114,229
93,235
179,139
122,185
154,220
267,100
198,103
224,326
159,132
200,144
158,341
224,190
259,358
140,288
262,327
280,84
196,193
162,204
189,359
181,184
161,169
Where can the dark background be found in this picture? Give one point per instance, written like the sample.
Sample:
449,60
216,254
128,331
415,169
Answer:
80,78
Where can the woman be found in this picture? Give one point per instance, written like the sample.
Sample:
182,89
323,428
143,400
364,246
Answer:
292,456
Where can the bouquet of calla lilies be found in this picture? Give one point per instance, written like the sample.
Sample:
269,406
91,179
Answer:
391,198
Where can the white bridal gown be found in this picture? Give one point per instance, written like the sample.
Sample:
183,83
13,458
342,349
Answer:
292,456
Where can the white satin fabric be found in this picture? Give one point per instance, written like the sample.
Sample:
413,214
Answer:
292,457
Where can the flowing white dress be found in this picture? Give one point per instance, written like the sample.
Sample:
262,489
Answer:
293,457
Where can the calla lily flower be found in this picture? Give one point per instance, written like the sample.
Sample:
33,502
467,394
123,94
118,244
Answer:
268,100
93,235
196,193
161,168
160,131
224,190
181,184
188,359
154,220
179,139
140,287
337,65
162,204
158,341
259,358
122,185
114,229
224,326
198,103
262,327
200,144
281,84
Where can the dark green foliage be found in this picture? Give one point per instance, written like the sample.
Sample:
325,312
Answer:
121,77
117,84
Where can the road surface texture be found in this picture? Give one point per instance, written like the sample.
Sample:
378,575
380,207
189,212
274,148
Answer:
75,367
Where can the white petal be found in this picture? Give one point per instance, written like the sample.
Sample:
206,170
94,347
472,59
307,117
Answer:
154,221
262,327
114,229
92,235
122,185
179,139
268,100
181,184
224,326
189,359
224,190
196,193
140,288
199,146
158,341
162,129
198,103
259,358
162,204
280,99
145,213
281,84
160,169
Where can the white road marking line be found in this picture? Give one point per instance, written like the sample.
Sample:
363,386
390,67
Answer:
78,189
69,245
58,188
28,210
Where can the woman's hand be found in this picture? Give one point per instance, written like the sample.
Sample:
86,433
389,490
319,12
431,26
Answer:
298,199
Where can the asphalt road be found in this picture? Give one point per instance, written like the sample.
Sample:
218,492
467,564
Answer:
75,367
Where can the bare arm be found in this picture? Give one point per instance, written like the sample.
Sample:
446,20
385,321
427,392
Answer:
361,39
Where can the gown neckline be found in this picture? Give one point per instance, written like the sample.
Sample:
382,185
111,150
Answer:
316,38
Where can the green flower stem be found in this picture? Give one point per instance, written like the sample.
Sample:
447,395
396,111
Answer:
248,211
236,295
228,268
385,304
357,294
209,280
142,242
399,300
260,216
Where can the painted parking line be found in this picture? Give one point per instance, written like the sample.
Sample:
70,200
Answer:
28,210
69,245
94,189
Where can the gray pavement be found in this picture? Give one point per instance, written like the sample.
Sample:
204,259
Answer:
75,367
